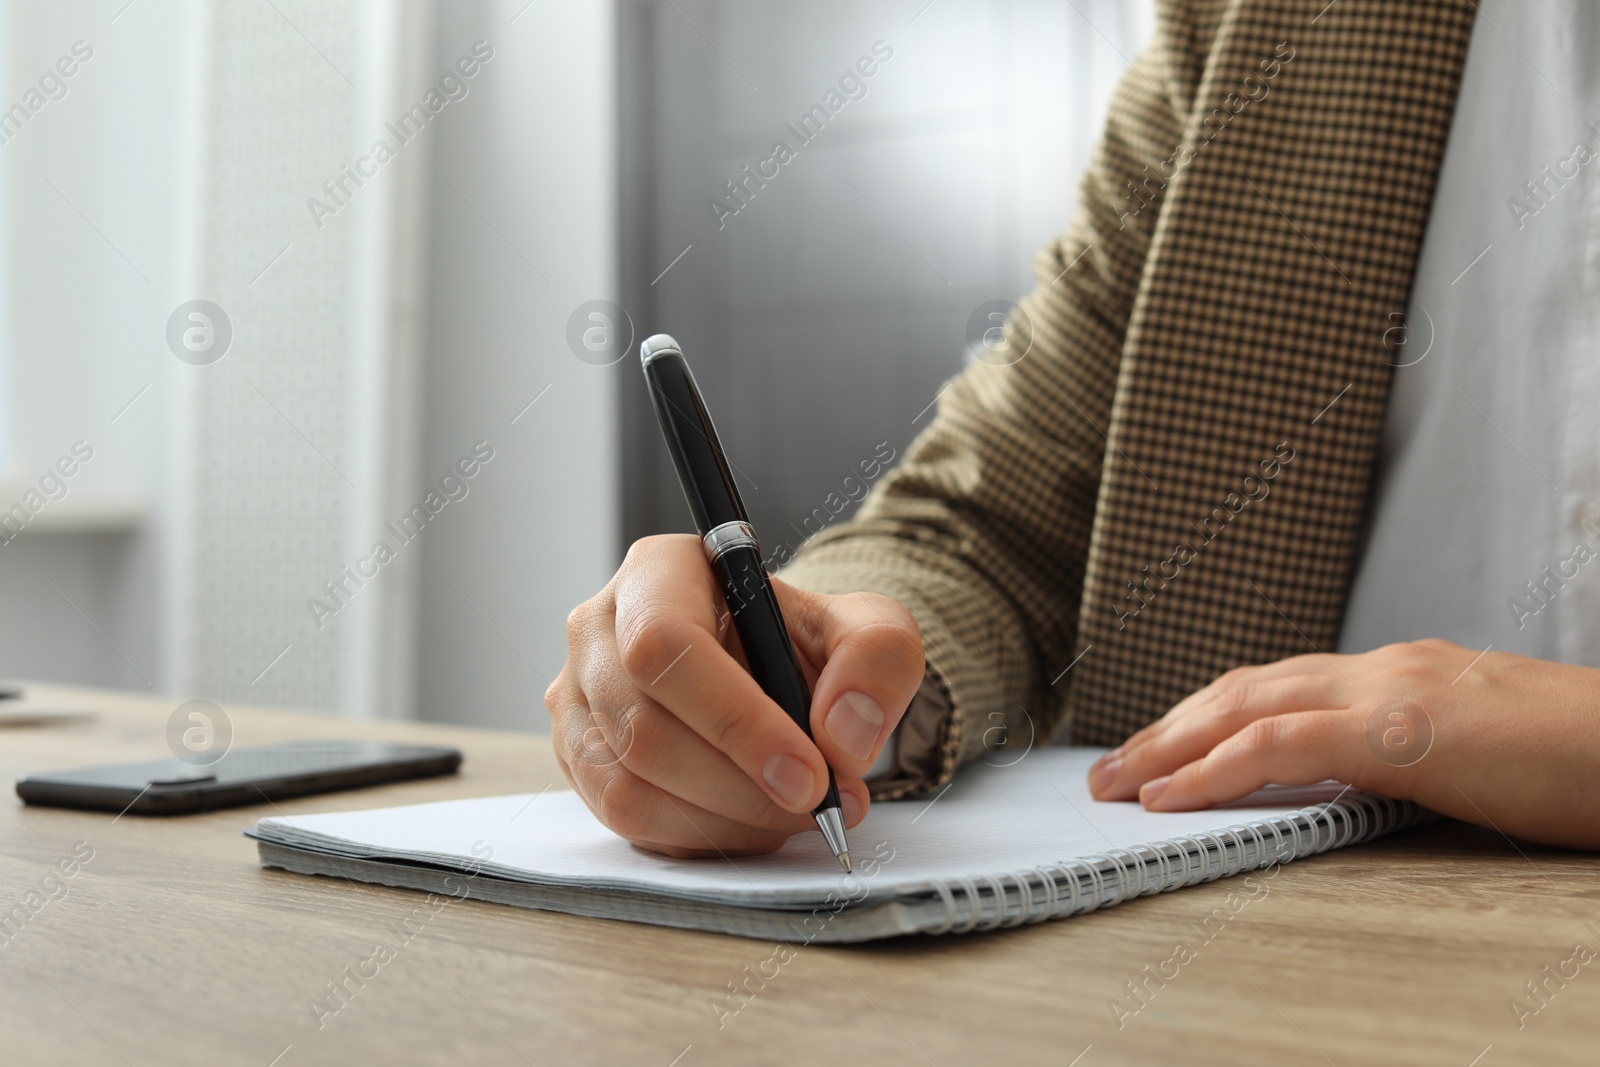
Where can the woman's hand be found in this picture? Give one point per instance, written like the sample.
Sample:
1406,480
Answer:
1491,738
670,742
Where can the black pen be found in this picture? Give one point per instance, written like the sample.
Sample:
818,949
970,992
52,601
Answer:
734,552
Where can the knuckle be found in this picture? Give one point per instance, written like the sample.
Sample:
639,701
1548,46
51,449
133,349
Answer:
895,614
584,619
590,722
1232,705
888,641
1234,676
640,550
725,733
584,737
577,619
627,725
622,805
1395,652
568,730
563,706
646,550
1264,735
1403,659
647,644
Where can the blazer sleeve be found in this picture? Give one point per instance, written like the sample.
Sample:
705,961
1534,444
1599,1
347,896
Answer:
982,531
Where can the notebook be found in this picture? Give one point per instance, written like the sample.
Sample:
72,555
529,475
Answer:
1001,845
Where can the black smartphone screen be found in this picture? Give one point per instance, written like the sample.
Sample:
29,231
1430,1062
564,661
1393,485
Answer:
241,776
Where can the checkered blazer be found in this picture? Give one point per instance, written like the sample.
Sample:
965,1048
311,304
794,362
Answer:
1162,473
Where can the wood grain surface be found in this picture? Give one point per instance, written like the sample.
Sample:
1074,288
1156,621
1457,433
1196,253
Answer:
171,946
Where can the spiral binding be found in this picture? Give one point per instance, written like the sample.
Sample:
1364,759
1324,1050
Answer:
1103,879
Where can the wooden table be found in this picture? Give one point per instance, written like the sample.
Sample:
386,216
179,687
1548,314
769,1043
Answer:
170,945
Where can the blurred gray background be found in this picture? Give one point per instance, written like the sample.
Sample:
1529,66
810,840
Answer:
220,540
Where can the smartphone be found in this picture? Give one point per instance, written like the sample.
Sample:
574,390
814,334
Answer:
241,776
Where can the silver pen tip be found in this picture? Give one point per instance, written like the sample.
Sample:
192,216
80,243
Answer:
831,822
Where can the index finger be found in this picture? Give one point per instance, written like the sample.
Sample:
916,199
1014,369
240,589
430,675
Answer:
1312,663
667,638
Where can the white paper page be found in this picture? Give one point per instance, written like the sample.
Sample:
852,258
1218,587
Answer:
991,820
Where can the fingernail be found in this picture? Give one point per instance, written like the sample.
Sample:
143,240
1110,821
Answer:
854,722
1151,793
789,778
1104,772
851,807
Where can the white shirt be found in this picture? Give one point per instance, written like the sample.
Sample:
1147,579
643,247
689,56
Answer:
1485,518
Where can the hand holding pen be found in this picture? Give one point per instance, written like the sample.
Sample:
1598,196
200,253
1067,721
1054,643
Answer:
659,726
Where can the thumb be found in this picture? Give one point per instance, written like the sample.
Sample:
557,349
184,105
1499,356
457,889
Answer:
869,652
